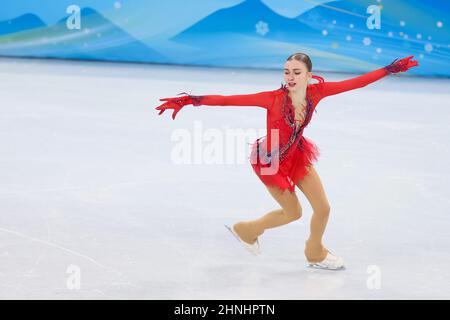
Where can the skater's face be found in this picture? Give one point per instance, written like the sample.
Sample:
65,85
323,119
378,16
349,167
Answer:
296,75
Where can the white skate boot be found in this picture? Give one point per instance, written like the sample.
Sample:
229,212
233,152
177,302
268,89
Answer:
331,262
252,248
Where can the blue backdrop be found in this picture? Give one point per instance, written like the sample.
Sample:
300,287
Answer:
338,35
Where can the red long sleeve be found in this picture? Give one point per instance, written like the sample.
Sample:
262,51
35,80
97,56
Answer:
331,88
262,99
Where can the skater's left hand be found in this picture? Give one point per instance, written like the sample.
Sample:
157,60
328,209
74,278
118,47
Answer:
402,65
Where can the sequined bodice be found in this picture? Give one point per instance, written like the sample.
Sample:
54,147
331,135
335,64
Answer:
290,129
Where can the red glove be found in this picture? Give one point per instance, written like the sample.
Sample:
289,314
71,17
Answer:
177,103
401,65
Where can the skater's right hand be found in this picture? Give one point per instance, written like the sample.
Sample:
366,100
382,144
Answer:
176,104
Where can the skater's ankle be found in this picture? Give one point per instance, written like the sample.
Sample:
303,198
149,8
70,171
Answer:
315,253
246,231
314,244
256,228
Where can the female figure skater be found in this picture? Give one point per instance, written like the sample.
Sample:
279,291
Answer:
284,158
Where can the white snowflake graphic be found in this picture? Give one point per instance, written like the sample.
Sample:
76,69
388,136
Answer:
262,28
367,41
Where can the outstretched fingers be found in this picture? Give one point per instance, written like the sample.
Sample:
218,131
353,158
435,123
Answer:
412,63
166,106
162,108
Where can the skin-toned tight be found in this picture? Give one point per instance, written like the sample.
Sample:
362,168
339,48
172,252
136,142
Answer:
291,210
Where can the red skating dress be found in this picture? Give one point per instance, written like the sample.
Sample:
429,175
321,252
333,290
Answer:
283,157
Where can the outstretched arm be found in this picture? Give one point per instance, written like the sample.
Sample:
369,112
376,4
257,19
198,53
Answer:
331,88
262,99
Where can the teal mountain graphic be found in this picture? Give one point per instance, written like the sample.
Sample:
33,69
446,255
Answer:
98,39
24,22
250,18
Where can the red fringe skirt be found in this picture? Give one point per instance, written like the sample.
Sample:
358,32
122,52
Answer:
292,168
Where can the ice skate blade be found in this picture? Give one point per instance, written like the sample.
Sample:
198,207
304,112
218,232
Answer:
331,262
318,266
252,248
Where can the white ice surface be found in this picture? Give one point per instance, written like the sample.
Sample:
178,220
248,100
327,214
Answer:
86,179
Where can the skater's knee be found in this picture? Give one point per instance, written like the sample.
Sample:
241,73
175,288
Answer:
323,210
294,213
